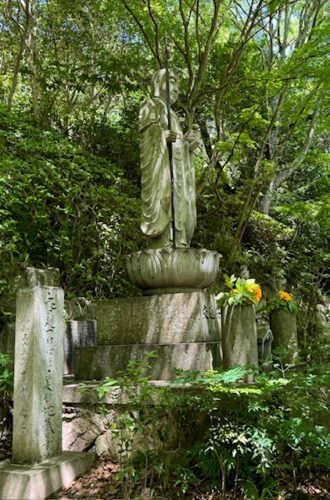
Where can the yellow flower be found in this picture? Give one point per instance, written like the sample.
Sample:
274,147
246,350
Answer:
285,296
257,293
250,285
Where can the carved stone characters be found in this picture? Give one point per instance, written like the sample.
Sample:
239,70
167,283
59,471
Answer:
156,179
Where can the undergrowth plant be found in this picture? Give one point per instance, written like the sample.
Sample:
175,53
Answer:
6,389
140,425
231,438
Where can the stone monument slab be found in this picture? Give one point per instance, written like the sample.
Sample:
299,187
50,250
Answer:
283,324
38,465
37,428
239,336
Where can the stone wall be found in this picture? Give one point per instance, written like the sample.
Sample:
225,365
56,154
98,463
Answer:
87,429
83,425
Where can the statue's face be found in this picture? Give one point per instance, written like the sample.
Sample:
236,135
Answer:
174,91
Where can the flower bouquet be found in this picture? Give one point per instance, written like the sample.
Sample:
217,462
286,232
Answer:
283,300
241,292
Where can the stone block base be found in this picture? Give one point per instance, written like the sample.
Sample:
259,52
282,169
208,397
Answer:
78,334
107,360
34,482
158,319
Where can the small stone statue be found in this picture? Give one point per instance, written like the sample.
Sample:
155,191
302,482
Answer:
155,169
244,272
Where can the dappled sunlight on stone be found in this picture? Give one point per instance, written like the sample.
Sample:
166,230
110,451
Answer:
182,328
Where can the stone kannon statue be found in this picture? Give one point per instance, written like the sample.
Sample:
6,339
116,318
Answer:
155,169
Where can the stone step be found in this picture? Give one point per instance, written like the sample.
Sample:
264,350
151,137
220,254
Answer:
96,363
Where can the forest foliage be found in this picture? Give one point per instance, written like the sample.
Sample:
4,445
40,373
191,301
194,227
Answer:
212,433
253,77
254,80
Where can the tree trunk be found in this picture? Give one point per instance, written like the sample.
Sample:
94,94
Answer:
14,80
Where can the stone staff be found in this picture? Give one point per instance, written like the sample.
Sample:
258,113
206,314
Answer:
169,144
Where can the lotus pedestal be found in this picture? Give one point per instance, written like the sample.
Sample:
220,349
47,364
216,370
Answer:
168,270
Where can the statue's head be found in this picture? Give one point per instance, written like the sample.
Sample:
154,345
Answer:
159,85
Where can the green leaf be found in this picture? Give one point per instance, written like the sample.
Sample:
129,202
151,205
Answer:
224,146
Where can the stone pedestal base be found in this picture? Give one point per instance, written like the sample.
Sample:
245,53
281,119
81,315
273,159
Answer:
158,319
182,328
34,482
78,334
106,361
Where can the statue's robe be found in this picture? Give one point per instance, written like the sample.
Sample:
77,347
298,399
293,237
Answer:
156,179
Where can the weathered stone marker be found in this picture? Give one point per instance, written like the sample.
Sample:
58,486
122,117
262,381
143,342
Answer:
37,431
239,336
284,327
38,465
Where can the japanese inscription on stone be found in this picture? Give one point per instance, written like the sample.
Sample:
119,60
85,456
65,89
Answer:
37,433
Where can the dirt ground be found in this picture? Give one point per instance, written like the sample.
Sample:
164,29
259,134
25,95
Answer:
100,483
97,483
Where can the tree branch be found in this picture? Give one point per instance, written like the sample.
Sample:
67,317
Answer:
193,98
288,171
188,58
153,19
143,31
251,200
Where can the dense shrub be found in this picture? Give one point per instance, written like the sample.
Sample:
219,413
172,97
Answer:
6,389
61,206
254,441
